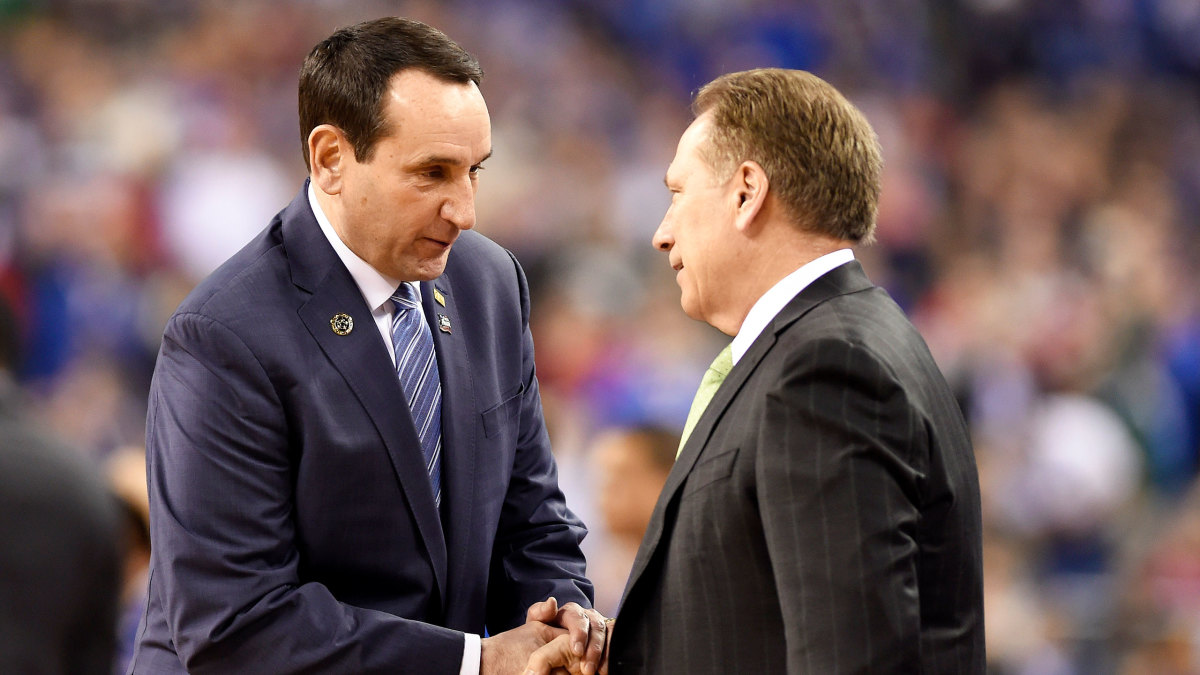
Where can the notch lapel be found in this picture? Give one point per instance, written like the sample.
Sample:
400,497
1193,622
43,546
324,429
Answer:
692,451
361,358
847,278
458,420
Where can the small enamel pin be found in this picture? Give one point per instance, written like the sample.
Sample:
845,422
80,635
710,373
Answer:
341,324
437,295
443,323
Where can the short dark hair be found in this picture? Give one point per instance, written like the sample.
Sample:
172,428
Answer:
344,78
659,445
819,152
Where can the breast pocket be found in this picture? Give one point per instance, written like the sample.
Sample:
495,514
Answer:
709,470
497,417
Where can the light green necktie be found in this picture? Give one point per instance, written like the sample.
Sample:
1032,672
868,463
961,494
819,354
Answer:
713,378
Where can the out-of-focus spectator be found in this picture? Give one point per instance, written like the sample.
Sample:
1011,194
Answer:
127,476
631,466
59,567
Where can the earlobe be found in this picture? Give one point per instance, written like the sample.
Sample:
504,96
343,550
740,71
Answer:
326,153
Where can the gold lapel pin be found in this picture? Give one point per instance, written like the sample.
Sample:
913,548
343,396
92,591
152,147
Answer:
443,323
341,324
437,295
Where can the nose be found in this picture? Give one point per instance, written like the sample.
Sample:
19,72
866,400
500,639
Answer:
459,207
663,239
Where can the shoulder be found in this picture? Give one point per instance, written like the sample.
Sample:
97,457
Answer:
862,334
866,319
247,285
483,268
479,255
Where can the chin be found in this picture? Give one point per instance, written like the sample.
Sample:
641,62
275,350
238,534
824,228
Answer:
426,270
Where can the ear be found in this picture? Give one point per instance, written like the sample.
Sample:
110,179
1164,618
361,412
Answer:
750,187
328,154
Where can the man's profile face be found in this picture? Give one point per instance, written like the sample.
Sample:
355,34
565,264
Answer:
693,231
404,208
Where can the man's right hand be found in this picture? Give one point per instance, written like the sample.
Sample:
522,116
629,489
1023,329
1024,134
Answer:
508,652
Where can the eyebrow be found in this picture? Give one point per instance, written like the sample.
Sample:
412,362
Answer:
451,161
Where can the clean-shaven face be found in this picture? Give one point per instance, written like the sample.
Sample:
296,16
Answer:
403,209
695,230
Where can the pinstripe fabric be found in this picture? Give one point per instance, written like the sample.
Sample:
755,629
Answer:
416,366
824,515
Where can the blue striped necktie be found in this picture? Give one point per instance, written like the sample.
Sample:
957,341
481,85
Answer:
416,366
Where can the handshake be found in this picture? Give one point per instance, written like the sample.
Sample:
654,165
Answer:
552,641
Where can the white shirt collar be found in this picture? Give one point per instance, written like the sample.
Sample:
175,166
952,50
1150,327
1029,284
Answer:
780,295
376,287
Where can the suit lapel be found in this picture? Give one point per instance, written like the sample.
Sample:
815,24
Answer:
458,418
692,451
362,359
844,279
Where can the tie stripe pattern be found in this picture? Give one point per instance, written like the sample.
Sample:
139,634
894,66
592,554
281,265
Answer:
713,377
416,366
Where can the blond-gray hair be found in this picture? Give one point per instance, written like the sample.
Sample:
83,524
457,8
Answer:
821,157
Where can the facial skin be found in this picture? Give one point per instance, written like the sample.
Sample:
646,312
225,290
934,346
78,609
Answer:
697,230
630,484
403,209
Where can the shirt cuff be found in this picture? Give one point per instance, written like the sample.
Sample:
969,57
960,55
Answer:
471,655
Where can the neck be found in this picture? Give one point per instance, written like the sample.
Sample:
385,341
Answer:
775,254
331,207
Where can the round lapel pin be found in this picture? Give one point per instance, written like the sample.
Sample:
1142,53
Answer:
341,324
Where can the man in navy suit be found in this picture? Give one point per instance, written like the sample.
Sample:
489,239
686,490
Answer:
307,512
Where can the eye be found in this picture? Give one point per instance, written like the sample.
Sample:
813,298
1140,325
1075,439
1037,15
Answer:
435,172
475,170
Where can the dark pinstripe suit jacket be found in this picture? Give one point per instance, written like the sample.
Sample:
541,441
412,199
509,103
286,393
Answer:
824,514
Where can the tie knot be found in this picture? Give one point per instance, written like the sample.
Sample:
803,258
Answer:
405,297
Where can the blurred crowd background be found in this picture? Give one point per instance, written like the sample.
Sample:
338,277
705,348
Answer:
1038,223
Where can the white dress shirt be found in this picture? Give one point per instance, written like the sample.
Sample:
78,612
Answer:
780,295
377,290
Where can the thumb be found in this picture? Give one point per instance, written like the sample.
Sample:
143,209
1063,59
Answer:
544,611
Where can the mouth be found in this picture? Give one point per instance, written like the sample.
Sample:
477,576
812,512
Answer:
677,266
440,242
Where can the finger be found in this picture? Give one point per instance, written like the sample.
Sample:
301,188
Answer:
575,620
544,611
553,654
609,626
596,639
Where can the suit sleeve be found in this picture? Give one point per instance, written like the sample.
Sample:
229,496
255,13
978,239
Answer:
536,553
839,474
221,492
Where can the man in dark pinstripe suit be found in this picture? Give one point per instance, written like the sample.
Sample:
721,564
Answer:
823,514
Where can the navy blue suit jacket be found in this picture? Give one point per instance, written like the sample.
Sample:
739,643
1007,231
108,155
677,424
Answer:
293,523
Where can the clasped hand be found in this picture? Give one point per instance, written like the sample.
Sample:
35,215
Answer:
556,640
